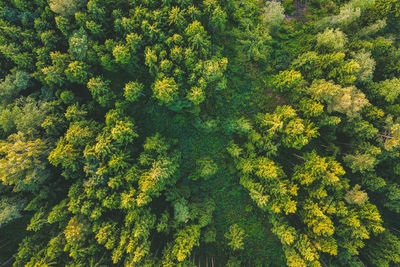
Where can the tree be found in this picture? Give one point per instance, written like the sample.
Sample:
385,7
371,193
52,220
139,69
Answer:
78,72
388,7
286,81
10,209
78,45
133,90
181,211
184,242
356,196
391,138
364,159
95,29
273,14
348,14
122,54
178,130
76,113
315,192
54,74
165,90
22,163
66,8
101,91
63,25
75,234
96,9
123,132
384,250
235,237
372,29
205,168
362,5
26,116
218,18
388,89
69,149
134,41
196,95
284,123
367,65
14,84
49,39
357,221
347,100
197,37
331,40
176,17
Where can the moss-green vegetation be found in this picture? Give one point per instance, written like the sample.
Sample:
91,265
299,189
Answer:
199,133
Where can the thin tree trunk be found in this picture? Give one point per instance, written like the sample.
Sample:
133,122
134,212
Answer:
386,136
395,229
5,244
297,156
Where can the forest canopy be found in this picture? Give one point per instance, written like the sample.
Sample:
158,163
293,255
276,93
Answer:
200,133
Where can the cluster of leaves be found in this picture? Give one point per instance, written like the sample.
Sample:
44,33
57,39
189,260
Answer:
186,133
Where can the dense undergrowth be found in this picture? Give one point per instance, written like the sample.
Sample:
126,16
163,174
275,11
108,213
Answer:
199,133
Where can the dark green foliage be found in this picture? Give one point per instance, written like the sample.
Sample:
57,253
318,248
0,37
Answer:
199,133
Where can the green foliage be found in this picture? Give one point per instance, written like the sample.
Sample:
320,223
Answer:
22,163
181,211
348,13
78,45
284,123
273,14
132,91
388,89
10,209
348,100
14,84
68,150
101,91
367,66
212,133
286,81
205,169
185,240
66,8
331,40
372,29
54,74
67,97
385,250
122,54
63,25
364,159
165,90
77,72
235,237
356,196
